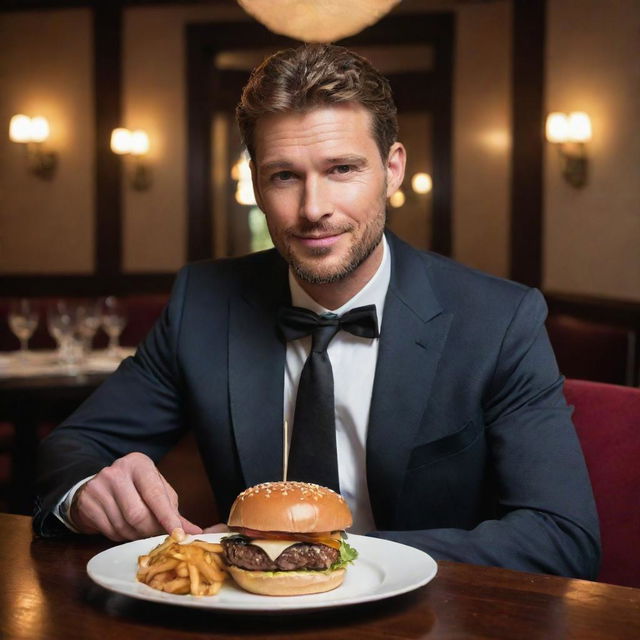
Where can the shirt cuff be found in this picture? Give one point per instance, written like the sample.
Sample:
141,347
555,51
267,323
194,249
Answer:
63,508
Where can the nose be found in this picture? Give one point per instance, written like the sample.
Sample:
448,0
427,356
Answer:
316,201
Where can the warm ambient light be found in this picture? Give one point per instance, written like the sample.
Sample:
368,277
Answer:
421,183
32,132
570,132
313,21
574,127
134,143
397,199
241,173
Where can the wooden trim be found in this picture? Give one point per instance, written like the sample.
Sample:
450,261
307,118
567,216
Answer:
107,33
528,81
623,313
86,285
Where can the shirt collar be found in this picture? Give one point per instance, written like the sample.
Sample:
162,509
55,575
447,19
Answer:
374,292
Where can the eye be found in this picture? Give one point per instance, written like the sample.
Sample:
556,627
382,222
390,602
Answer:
283,176
343,168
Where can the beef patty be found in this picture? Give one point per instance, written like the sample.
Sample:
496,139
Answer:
239,552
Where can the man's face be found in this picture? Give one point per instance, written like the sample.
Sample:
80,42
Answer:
321,182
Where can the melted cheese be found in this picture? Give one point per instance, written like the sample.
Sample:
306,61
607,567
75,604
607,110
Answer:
273,548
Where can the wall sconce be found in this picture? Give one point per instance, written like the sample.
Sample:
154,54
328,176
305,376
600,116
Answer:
32,132
421,184
134,144
571,132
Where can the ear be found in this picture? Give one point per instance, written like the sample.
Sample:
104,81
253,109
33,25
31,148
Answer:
254,182
396,162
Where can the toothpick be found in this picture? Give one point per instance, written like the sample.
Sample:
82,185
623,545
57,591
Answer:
285,451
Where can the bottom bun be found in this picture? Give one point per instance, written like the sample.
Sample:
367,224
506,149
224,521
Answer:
286,583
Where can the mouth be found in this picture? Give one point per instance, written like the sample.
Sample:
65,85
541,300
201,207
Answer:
315,241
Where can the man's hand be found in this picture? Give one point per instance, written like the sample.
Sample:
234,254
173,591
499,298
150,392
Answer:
128,500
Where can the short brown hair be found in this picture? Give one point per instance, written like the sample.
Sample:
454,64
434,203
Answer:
316,75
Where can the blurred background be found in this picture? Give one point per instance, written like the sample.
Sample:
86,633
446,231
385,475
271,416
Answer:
137,167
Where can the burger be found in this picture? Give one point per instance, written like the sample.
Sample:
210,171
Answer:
288,539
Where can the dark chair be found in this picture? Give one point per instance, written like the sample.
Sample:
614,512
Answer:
592,350
607,419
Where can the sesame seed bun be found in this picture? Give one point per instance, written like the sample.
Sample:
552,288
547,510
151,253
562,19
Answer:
296,507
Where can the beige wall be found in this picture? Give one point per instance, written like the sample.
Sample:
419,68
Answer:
592,235
482,137
45,69
154,222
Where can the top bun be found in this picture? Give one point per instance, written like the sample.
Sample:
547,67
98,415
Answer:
296,507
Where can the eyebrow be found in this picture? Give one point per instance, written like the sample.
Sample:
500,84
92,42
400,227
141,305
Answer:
349,159
357,160
276,164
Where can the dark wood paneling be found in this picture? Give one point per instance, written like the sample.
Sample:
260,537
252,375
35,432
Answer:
527,152
107,33
89,285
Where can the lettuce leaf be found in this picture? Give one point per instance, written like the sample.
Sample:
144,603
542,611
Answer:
347,555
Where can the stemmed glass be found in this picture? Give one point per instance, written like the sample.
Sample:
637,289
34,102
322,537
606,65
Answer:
23,320
63,327
114,319
88,318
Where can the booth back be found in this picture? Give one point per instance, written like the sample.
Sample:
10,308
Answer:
607,419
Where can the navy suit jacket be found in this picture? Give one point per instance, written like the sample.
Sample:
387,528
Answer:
471,453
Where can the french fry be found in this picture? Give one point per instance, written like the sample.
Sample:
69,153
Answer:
178,585
177,567
213,547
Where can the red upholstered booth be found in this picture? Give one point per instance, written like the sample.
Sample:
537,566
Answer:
607,419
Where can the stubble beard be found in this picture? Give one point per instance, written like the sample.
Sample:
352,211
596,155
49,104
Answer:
306,269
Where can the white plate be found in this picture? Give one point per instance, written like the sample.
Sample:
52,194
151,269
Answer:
383,569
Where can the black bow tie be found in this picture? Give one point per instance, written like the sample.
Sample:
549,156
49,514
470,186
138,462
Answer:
296,322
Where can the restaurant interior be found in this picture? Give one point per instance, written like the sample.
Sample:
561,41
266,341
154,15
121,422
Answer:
120,162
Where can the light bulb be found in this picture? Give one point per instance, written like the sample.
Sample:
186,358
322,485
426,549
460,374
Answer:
39,129
421,183
557,127
139,142
20,128
579,127
121,141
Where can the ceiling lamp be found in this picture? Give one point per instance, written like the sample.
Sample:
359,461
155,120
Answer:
317,20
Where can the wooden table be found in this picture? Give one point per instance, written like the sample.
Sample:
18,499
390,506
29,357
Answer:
45,594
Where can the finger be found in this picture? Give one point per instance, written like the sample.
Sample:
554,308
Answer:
190,527
217,528
152,490
171,492
135,512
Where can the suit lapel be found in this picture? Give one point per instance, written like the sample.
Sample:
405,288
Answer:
414,329
256,372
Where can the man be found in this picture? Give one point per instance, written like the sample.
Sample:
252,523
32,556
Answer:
452,431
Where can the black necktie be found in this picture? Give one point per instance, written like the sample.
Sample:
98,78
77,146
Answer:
313,456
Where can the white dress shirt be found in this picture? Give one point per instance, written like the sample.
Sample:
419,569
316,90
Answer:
353,360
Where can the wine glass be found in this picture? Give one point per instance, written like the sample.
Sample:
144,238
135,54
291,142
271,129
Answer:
23,320
114,319
88,319
63,326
